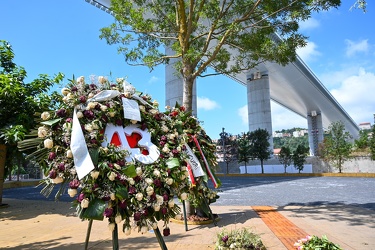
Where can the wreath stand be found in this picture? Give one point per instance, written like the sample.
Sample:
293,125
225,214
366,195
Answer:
115,245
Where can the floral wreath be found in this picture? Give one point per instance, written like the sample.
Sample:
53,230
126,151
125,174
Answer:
120,157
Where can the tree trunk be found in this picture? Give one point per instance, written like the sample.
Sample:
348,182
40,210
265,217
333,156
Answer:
187,95
261,164
2,170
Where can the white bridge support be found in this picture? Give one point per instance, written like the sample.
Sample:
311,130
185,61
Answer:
259,103
315,130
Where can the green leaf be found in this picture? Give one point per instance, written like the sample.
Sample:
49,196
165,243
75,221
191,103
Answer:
51,122
94,154
173,162
95,210
130,171
122,192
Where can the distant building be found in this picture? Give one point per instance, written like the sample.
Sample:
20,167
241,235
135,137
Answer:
364,125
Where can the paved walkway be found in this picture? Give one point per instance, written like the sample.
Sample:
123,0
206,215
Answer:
27,224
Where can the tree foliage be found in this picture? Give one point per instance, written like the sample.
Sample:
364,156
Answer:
372,143
244,149
204,34
336,146
259,141
19,101
299,157
285,157
228,148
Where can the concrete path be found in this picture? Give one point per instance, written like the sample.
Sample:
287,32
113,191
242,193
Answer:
30,224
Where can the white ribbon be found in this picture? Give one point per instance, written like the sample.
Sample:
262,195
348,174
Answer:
81,155
194,162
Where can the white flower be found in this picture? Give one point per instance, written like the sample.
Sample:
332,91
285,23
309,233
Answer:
72,192
159,199
149,190
171,136
131,181
79,114
171,203
95,125
166,149
85,203
133,121
155,103
154,111
111,114
48,143
112,196
142,108
118,218
127,230
149,181
81,79
183,168
120,80
67,126
111,226
103,107
144,229
184,196
156,173
42,132
70,96
58,180
156,207
167,107
45,115
139,196
169,181
65,91
91,105
88,127
102,79
154,225
69,154
112,176
183,177
117,166
138,170
94,174
165,129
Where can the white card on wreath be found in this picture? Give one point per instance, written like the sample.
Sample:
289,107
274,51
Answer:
131,109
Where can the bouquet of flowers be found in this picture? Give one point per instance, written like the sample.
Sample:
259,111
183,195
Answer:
119,156
316,243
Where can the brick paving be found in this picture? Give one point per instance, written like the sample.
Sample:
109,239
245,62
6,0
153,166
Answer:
284,229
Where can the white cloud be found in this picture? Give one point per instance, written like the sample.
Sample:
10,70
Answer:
242,112
309,24
309,52
206,104
153,79
356,47
356,95
283,118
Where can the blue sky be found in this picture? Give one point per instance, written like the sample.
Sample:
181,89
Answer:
63,36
